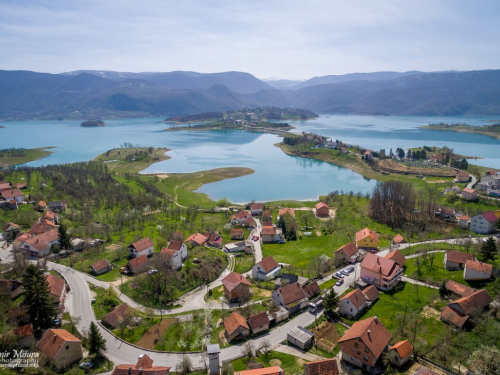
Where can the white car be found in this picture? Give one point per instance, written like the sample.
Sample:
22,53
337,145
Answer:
152,272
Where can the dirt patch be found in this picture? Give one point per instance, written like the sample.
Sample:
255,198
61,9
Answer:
327,331
391,166
222,338
275,362
300,362
430,312
149,339
113,247
438,182
318,233
162,176
262,293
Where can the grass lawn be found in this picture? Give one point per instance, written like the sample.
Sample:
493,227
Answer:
243,263
290,364
106,300
328,284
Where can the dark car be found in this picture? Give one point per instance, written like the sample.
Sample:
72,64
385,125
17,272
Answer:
339,275
350,269
339,282
344,272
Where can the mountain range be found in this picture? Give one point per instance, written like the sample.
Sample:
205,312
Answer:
107,94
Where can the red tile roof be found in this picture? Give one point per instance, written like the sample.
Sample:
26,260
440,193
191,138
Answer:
398,239
8,194
356,297
257,206
49,215
397,256
367,232
9,225
372,332
478,266
404,348
44,226
143,244
321,205
386,267
175,245
268,230
258,320
453,316
143,366
292,293
237,232
114,317
322,367
459,289
350,249
233,279
467,190
54,340
473,302
425,371
371,293
56,285
135,263
241,214
198,238
100,265
24,331
233,321
268,264
41,242
312,289
275,370
458,257
283,211
490,216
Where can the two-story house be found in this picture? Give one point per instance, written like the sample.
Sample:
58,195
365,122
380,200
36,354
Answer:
322,210
179,246
61,348
236,287
367,239
141,247
484,223
57,291
348,253
292,297
384,273
173,257
353,304
267,269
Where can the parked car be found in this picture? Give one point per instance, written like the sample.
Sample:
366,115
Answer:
339,282
373,251
86,365
350,269
344,272
124,270
152,272
339,275
281,241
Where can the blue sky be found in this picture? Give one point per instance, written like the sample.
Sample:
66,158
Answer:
273,38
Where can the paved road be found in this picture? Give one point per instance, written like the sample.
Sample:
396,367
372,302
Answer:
472,182
257,245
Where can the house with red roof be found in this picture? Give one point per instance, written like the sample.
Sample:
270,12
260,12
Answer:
398,240
267,216
270,234
115,316
484,223
4,186
403,351
138,264
50,216
40,206
283,211
14,194
196,239
240,217
236,327
267,269
458,312
274,370
364,343
371,294
213,239
40,245
463,176
322,210
292,297
353,304
144,366
237,234
236,287
458,289
11,230
348,253
384,273
469,194
455,260
25,334
57,293
367,155
173,257
367,239
142,247
256,209
258,322
179,246
322,367
397,256
463,221
61,348
42,227
477,270
101,266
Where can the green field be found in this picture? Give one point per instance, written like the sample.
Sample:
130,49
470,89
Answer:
290,364
132,159
10,157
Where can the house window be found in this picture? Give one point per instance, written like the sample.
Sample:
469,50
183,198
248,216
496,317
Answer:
67,347
365,358
359,352
351,310
352,349
356,345
352,358
366,350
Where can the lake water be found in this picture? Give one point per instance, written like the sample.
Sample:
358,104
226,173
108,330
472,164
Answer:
277,175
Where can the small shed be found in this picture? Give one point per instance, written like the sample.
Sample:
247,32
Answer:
300,337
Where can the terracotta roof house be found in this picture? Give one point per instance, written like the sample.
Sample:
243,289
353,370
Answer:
382,272
312,289
15,194
25,335
137,264
457,312
144,366
236,287
258,322
366,239
347,253
446,213
114,317
173,257
322,210
398,239
10,230
292,297
403,350
256,208
237,234
425,371
484,223
364,343
477,271
267,216
270,234
40,206
50,215
58,206
455,260
397,256
236,327
196,239
275,370
213,239
179,246
459,289
101,267
371,293
463,221
4,186
283,211
40,245
469,194
44,226
353,304
142,247
240,217
61,347
322,367
20,239
57,287
249,222
463,176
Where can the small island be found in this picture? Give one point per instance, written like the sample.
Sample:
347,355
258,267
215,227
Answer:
258,119
492,130
93,123
128,158
17,156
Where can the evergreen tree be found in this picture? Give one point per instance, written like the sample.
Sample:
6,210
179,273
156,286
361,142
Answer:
96,342
330,301
64,240
36,297
498,224
488,250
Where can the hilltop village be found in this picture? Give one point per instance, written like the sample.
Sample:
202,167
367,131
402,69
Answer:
96,257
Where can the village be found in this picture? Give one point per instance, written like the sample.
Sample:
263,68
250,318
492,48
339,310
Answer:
264,288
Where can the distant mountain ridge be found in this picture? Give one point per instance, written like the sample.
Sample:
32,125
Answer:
106,94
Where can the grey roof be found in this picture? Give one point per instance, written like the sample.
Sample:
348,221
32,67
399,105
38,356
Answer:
301,334
213,348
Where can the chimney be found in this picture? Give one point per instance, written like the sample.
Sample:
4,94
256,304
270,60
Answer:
369,335
54,337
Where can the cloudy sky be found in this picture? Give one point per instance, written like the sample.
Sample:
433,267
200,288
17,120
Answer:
268,38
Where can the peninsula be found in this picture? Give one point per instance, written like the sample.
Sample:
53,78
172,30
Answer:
16,156
492,130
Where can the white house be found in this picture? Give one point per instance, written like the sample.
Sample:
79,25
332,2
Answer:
39,246
477,271
267,269
13,194
270,234
484,223
235,247
173,256
179,246
141,247
353,304
463,221
256,208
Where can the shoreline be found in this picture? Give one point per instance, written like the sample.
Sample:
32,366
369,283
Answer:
41,153
462,129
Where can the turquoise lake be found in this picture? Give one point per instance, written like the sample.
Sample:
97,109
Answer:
277,175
